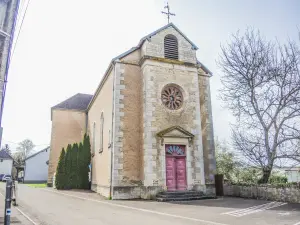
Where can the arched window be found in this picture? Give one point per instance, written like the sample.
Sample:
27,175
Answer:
171,47
101,132
94,137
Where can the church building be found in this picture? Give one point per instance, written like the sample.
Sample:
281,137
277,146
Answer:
149,121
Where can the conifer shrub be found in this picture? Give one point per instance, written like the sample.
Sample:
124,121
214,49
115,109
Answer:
60,176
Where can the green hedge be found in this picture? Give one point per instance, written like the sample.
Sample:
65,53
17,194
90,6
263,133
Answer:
73,166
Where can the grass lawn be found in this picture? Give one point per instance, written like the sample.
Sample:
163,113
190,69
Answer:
37,185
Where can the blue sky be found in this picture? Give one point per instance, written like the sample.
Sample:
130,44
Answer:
65,47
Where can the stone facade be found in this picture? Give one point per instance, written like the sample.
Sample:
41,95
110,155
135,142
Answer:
155,46
138,126
102,104
284,194
157,118
207,128
68,127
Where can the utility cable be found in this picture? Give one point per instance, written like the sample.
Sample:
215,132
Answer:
18,34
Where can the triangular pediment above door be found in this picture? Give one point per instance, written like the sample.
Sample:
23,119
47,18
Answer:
175,131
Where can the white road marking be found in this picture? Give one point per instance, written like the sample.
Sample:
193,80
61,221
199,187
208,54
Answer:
254,209
25,215
138,209
246,209
297,223
284,213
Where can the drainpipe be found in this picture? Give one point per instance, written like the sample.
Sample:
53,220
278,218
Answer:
112,147
86,132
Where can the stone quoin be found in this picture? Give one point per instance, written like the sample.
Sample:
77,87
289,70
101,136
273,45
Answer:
149,121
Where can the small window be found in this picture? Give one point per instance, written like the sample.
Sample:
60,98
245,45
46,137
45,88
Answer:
101,132
171,47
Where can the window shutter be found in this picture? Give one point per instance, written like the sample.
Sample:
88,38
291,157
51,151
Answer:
171,47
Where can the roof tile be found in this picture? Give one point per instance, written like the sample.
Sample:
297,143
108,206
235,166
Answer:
76,102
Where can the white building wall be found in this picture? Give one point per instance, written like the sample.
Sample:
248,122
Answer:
6,166
293,175
36,168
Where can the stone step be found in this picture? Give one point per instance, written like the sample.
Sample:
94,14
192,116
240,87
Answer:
180,193
184,198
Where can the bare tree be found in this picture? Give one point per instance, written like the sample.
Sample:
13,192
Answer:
7,149
23,150
261,87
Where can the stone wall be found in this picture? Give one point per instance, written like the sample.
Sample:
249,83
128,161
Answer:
155,46
284,194
207,129
132,134
68,127
101,152
157,118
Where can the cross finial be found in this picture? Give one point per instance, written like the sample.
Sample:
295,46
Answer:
168,12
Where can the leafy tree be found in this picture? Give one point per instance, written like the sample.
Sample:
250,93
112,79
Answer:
248,175
60,177
277,179
77,159
74,166
261,87
227,163
80,164
87,161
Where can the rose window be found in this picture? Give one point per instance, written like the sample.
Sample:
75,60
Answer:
172,97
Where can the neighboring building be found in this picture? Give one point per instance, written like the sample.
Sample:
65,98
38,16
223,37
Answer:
36,167
6,163
149,121
292,174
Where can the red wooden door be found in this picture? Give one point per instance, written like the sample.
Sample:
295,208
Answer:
175,167
180,174
171,173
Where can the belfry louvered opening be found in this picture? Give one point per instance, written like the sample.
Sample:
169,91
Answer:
171,47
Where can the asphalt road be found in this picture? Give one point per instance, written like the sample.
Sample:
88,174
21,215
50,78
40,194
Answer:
46,206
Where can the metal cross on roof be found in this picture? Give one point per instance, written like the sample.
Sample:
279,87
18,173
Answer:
168,12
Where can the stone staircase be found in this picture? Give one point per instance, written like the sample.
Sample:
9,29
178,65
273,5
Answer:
169,196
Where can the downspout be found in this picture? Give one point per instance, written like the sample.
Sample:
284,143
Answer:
86,132
112,133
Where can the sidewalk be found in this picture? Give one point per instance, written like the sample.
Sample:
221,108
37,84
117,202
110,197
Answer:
16,217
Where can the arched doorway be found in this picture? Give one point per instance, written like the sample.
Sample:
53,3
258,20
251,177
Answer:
176,167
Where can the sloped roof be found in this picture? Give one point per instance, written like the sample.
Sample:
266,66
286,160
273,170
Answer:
204,67
149,36
4,155
156,32
48,148
138,47
162,28
76,102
